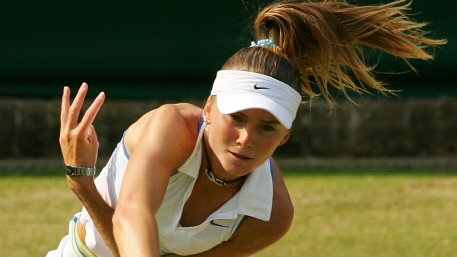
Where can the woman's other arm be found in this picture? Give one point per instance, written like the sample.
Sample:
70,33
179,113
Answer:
165,142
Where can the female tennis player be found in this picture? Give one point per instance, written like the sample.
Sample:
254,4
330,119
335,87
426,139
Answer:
191,181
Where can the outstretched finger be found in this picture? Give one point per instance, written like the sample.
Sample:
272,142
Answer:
75,107
91,112
64,108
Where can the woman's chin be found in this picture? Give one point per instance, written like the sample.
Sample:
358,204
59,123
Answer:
239,169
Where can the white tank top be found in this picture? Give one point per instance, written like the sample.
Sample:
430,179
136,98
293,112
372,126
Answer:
254,199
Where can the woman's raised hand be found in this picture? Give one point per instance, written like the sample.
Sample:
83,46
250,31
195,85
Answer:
78,140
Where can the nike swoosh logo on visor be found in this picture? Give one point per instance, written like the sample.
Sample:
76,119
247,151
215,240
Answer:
218,225
257,87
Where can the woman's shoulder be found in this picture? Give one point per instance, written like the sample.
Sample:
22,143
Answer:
183,117
283,211
180,112
190,113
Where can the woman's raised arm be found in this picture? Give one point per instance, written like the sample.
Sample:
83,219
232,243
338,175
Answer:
79,146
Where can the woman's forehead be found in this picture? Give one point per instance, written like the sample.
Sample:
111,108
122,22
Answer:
260,114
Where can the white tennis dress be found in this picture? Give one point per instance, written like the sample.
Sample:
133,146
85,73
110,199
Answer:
254,199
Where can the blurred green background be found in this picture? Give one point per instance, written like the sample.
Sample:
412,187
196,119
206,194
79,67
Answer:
162,50
166,49
146,53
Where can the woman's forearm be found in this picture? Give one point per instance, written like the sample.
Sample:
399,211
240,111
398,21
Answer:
100,212
135,231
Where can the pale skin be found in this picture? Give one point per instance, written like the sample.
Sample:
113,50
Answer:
236,144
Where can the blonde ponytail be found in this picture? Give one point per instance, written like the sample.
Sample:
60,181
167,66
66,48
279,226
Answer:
324,41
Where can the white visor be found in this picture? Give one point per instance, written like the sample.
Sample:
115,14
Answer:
240,90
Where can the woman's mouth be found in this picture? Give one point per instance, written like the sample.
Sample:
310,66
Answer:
240,156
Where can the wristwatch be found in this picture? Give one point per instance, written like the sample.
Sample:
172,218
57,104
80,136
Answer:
80,171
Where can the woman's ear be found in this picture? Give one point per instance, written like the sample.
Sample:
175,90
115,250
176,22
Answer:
285,138
207,109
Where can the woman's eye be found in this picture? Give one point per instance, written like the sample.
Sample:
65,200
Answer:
268,128
236,117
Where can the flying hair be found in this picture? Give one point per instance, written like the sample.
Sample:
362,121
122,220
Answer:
324,41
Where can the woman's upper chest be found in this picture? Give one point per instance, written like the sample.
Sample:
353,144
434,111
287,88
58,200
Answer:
205,199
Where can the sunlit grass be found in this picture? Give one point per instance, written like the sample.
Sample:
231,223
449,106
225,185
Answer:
336,214
371,215
34,214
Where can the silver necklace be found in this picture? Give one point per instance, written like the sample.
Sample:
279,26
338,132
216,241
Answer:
212,178
218,181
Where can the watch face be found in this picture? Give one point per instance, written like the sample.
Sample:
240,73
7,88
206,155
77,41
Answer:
76,171
69,170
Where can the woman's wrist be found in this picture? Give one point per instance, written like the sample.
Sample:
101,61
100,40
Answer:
81,185
80,170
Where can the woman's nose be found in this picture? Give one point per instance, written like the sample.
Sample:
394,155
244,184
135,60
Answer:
245,137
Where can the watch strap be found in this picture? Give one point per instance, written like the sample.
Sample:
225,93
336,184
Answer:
80,171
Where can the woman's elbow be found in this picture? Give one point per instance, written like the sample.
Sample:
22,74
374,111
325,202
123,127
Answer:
284,221
120,218
282,218
131,217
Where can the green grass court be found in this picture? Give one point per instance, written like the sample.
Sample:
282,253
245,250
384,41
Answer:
369,213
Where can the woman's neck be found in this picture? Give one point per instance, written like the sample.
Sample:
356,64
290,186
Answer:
213,175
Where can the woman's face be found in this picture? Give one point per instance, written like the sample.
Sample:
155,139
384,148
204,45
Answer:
243,140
